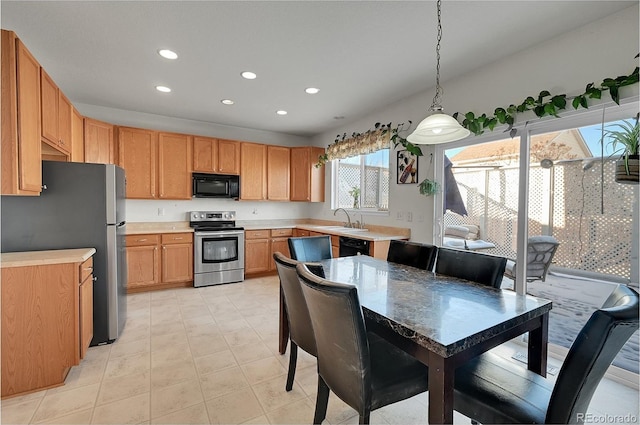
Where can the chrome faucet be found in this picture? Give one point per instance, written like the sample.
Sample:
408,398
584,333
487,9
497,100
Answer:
345,211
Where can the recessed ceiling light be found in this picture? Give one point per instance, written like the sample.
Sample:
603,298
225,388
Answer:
311,90
249,75
281,112
168,54
163,89
227,102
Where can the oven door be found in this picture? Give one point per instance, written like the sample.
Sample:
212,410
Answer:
218,251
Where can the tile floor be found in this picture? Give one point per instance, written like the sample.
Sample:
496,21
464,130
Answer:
209,355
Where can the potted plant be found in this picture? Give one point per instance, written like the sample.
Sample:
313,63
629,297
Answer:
627,137
355,192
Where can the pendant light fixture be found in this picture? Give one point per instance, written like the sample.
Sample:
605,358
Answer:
438,127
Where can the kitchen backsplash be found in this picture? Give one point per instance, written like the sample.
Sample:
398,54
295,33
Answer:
157,211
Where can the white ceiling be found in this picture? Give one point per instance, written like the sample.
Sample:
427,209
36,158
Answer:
362,55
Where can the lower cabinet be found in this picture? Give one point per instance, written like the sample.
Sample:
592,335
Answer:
47,322
86,306
260,246
159,261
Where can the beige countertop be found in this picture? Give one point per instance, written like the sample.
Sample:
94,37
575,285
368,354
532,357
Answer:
373,233
141,228
367,235
41,258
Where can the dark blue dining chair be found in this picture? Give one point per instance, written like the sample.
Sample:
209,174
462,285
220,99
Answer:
310,248
422,256
469,265
362,369
492,389
300,330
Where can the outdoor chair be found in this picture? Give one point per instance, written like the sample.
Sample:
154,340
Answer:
422,256
300,331
310,248
540,252
362,369
492,389
481,268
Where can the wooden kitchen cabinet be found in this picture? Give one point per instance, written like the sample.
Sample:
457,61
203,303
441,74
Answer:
228,156
253,171
86,306
99,144
55,115
159,261
257,250
307,181
278,165
174,166
21,145
279,243
177,257
260,245
47,317
137,154
216,156
143,260
77,136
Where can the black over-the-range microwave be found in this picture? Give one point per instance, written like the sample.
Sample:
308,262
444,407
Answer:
216,186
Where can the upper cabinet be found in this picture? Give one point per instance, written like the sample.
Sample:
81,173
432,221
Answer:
21,147
174,166
157,165
55,115
77,136
307,181
216,155
137,155
253,171
278,173
98,142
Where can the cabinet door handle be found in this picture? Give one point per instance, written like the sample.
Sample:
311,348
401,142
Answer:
177,239
88,269
142,240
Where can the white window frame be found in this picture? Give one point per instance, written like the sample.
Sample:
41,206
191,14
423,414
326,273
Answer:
334,188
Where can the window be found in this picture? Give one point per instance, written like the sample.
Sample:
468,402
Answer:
362,182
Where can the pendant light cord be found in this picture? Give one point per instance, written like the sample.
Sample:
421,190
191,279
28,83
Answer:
435,105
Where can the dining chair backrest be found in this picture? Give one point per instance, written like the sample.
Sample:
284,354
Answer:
591,354
422,256
469,265
310,248
540,252
341,337
300,330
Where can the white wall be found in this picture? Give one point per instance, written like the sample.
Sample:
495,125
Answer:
604,48
151,210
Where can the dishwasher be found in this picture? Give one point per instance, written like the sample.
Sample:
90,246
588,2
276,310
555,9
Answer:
353,246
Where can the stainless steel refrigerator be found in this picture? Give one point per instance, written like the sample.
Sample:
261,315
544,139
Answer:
82,206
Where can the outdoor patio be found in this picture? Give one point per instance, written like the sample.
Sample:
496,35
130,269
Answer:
574,300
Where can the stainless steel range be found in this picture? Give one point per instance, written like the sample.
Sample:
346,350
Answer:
218,248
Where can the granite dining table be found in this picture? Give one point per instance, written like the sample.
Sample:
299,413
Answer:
440,320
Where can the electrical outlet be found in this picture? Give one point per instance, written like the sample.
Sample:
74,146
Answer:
399,215
160,211
409,216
